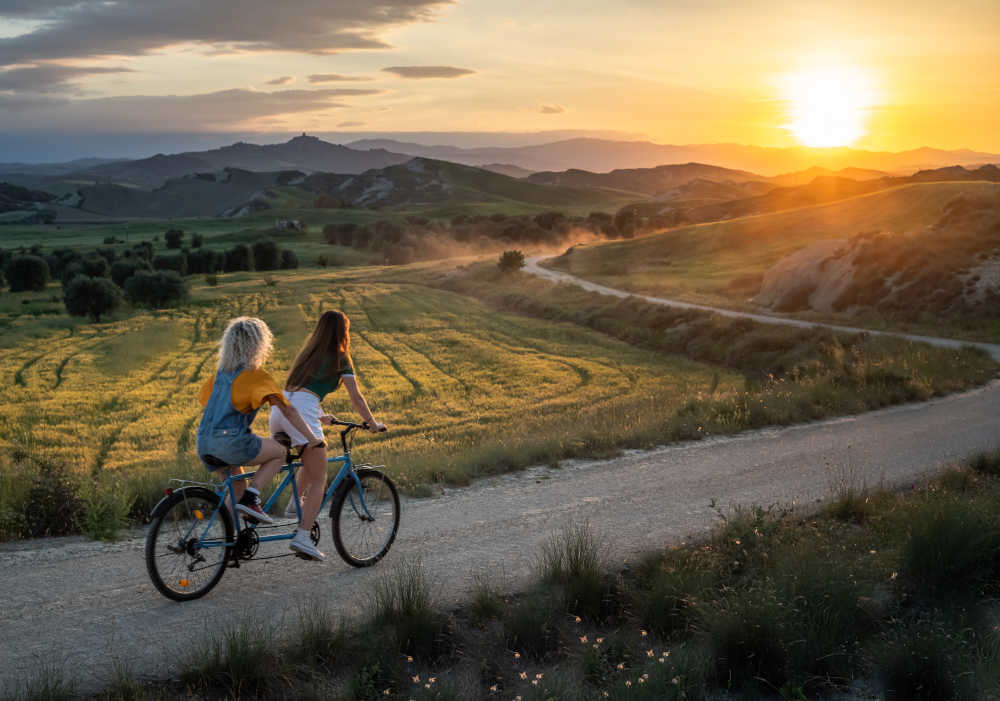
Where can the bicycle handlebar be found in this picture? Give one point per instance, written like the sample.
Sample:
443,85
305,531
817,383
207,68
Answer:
351,425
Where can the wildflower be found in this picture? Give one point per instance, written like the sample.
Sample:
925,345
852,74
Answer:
409,658
427,686
649,653
628,682
538,676
432,680
661,660
493,688
534,682
386,692
675,680
643,633
416,678
524,675
642,680
600,640
577,619
583,638
517,655
621,666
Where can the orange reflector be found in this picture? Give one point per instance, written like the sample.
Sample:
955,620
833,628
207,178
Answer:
183,582
198,515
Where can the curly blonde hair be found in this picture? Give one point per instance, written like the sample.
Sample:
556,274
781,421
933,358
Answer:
246,343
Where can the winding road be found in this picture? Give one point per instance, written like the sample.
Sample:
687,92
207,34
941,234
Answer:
82,605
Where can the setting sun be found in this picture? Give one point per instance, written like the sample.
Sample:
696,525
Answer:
828,106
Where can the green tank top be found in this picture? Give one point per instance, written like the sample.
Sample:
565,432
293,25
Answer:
325,381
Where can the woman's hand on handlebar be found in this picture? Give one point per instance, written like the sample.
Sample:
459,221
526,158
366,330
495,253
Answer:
375,426
327,419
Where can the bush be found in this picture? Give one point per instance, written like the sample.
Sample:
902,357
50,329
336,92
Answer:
266,255
91,296
173,238
27,274
511,261
53,506
322,261
122,270
571,560
159,289
239,257
402,599
204,260
196,240
288,259
212,280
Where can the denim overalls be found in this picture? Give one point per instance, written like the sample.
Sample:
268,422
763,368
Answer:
224,432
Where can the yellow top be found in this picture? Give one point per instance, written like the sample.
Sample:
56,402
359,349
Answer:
251,388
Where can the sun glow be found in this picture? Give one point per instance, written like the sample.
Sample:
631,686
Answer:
828,106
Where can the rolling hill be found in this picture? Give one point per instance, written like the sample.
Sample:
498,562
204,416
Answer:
724,262
653,182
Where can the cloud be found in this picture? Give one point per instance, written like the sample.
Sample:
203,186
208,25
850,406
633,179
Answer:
221,110
343,125
417,72
97,28
334,77
552,109
283,80
49,78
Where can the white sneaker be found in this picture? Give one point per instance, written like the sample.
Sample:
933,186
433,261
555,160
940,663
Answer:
303,545
290,511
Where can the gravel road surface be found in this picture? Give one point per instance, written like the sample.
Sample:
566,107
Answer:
82,604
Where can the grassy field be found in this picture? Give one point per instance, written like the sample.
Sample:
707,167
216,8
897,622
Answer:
722,263
476,372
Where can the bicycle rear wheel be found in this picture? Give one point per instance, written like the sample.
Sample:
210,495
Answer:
363,533
185,546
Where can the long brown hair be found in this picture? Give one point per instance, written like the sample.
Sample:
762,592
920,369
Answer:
330,342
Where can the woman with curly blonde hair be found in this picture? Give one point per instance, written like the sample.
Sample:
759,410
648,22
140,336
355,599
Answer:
231,400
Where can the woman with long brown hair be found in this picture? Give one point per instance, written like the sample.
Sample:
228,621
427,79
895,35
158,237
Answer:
323,364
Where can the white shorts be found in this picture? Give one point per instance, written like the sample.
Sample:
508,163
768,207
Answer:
308,406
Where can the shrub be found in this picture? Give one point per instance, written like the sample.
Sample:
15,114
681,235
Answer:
196,240
288,259
212,280
91,296
266,255
122,270
156,289
322,261
239,257
921,664
572,561
105,510
986,463
511,261
173,238
27,274
52,506
204,260
402,599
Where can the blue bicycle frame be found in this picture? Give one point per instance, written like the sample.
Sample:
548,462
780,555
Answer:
226,490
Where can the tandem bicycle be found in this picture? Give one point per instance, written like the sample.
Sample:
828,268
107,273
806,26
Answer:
194,536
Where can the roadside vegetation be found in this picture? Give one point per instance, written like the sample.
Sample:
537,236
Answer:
474,380
876,595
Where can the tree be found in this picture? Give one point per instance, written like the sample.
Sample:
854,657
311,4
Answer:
204,260
122,270
239,257
27,273
95,265
156,289
266,255
177,262
91,296
625,221
173,238
196,240
511,261
288,259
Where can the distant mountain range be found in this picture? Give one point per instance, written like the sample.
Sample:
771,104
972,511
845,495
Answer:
602,155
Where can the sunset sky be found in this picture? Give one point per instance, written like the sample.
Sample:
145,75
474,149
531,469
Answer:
894,74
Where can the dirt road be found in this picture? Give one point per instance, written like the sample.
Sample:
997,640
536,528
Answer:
81,605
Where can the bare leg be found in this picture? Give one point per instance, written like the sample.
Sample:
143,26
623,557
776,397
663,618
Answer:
312,481
239,486
271,458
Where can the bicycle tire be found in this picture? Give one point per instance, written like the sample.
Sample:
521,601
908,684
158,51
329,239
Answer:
358,541
172,552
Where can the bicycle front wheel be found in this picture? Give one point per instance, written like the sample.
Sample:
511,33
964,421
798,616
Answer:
364,523
186,548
